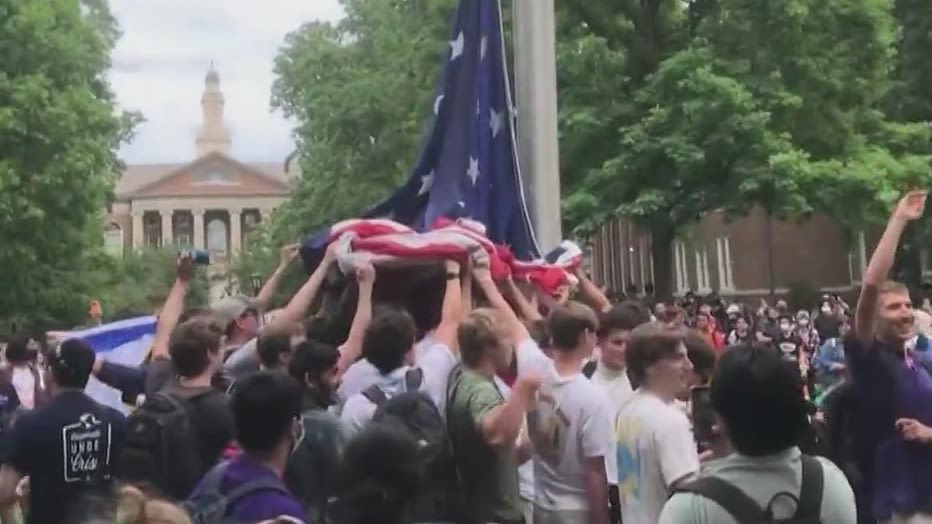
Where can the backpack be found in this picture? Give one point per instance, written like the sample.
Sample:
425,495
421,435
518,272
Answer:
161,447
416,414
211,504
745,510
313,467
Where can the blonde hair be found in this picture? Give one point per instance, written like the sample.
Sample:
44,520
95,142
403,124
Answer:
477,333
135,507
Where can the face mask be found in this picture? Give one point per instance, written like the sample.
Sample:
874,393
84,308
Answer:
826,310
803,322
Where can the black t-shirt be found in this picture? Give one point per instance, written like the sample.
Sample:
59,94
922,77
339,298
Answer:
213,420
827,326
789,346
69,449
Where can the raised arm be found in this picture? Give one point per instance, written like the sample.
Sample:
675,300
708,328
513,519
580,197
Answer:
909,208
528,310
452,309
286,257
174,306
352,348
484,279
297,307
592,294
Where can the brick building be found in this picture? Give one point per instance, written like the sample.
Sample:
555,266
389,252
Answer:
732,257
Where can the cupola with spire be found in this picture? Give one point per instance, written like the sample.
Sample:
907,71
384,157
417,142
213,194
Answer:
213,136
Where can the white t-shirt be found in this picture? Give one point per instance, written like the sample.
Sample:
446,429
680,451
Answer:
616,392
655,448
24,382
362,374
529,357
570,423
436,362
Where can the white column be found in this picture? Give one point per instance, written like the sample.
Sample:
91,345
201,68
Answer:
167,233
236,230
198,215
536,93
137,230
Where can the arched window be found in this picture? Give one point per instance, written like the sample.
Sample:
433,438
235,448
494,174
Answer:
217,236
113,239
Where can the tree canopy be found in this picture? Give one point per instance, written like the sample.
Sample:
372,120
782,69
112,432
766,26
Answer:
59,134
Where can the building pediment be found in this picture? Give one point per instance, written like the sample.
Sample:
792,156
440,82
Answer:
214,175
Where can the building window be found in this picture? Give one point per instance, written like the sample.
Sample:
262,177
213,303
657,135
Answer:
723,257
217,236
183,229
152,229
702,271
680,268
215,177
113,240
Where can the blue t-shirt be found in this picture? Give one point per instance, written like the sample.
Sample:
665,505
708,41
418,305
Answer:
70,450
887,386
261,505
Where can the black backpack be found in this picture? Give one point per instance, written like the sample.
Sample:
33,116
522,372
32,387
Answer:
312,472
211,504
745,510
416,414
161,447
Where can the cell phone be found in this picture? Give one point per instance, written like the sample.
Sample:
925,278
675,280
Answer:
200,257
703,414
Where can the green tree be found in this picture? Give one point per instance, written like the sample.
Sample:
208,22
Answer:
911,100
771,104
138,283
59,133
254,265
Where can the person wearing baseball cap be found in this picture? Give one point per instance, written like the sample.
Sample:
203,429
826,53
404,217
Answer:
87,434
239,316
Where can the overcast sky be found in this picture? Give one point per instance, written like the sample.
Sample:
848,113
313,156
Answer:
166,49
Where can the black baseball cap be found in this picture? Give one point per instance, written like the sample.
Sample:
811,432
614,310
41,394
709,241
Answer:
73,358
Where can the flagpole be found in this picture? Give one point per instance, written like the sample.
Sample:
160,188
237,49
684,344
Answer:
536,98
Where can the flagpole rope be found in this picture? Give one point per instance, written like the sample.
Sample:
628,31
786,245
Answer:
513,110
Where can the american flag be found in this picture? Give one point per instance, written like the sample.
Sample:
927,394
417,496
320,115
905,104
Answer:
467,167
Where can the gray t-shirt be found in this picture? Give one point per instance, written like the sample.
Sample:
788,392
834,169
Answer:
242,361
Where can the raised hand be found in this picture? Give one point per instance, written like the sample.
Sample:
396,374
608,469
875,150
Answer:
365,273
288,254
912,205
186,267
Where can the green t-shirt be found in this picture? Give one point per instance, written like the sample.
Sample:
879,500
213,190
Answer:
490,475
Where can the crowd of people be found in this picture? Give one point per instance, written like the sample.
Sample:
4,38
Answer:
443,395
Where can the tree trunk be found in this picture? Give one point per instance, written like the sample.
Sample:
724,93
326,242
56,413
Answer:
661,247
